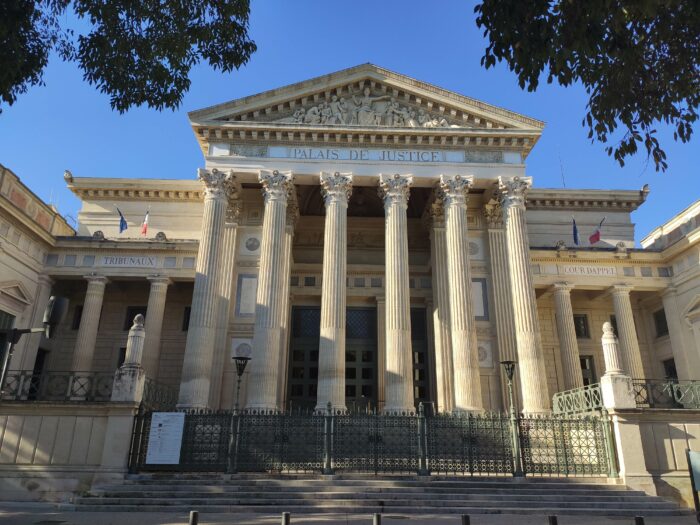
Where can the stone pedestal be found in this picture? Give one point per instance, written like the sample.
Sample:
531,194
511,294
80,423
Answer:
568,345
629,344
616,387
336,190
467,383
154,312
89,323
533,376
399,351
195,382
264,365
444,372
130,378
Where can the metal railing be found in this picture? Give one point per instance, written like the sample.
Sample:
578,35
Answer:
666,393
59,386
467,444
157,396
578,400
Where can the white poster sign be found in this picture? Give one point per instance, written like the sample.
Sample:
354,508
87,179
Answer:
165,438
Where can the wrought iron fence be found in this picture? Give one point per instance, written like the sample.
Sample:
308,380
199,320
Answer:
578,400
157,396
25,385
666,393
476,445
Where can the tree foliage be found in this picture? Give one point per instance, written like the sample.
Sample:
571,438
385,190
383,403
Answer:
639,61
137,52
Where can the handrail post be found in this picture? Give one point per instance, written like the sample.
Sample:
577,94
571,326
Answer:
609,443
423,469
328,440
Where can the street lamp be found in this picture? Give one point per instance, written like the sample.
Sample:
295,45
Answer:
509,368
241,358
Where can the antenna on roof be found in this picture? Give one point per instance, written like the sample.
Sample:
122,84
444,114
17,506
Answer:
561,168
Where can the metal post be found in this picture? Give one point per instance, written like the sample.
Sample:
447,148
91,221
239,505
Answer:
286,518
422,442
639,520
328,440
377,520
194,517
609,443
515,433
552,520
466,520
7,354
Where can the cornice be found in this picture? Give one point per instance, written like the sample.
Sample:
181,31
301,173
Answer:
94,188
90,243
623,200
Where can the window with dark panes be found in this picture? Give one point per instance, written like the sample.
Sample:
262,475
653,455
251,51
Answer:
581,326
660,323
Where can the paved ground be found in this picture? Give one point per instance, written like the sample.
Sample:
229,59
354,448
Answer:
43,515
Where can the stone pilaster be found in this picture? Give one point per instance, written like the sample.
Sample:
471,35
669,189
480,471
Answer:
687,362
467,383
566,331
336,189
394,189
195,383
89,323
264,365
533,377
25,354
444,374
285,311
502,298
629,344
222,341
154,313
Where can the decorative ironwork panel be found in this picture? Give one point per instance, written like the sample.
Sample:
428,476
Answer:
269,442
205,441
58,386
656,393
470,444
375,443
578,400
157,396
563,446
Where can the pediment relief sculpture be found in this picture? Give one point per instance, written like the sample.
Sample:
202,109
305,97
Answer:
366,107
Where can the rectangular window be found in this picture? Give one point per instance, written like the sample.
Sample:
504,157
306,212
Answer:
670,369
121,357
77,314
186,318
131,312
581,325
613,322
660,323
588,370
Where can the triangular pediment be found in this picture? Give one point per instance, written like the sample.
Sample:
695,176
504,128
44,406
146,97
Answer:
16,291
365,96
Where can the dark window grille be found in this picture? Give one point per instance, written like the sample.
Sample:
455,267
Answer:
581,326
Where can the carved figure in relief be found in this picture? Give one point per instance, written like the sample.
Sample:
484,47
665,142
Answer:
338,109
364,114
313,115
326,113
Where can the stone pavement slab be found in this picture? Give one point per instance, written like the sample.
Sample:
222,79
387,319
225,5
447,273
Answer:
47,515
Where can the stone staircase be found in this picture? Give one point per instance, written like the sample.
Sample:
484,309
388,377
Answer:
358,494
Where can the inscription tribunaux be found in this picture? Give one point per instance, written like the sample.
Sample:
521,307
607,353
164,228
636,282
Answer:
135,261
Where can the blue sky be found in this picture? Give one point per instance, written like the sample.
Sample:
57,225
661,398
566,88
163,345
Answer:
67,124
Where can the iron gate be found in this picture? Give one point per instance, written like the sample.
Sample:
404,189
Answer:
475,445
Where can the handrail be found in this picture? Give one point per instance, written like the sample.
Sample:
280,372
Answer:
25,385
666,393
578,400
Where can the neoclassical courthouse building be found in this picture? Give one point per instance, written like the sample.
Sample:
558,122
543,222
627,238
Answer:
369,240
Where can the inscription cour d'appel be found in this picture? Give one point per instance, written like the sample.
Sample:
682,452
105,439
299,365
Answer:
588,270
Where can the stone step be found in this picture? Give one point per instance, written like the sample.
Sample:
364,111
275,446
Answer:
368,509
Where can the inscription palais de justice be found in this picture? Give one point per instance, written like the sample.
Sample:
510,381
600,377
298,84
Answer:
366,154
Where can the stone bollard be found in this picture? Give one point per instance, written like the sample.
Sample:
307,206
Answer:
286,518
194,517
130,379
466,520
377,519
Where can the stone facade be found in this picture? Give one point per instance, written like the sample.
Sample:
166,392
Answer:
381,252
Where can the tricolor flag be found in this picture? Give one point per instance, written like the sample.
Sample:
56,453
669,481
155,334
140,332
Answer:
596,234
144,225
575,231
122,221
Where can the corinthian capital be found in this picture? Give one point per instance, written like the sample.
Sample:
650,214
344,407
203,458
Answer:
513,190
218,184
435,214
276,185
336,186
493,213
395,188
455,188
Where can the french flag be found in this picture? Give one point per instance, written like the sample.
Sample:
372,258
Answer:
144,225
575,231
122,221
596,234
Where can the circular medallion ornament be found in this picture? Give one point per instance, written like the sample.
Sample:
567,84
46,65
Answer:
252,244
473,248
483,354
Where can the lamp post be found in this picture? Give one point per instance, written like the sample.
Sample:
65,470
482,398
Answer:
509,368
241,357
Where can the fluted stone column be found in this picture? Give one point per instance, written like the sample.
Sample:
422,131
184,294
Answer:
264,365
336,189
154,320
533,377
568,345
381,352
687,362
629,344
399,352
24,356
195,382
502,298
89,323
467,383
285,310
441,309
222,341
611,352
